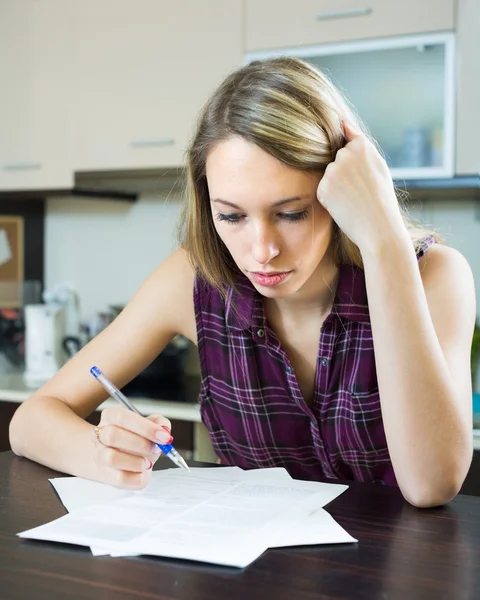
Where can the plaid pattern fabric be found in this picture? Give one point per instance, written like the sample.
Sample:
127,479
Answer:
251,402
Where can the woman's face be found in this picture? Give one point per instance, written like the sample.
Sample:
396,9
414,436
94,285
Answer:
268,216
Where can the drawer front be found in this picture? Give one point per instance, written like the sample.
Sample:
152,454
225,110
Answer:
282,23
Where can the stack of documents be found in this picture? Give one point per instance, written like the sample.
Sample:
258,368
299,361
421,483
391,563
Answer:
222,515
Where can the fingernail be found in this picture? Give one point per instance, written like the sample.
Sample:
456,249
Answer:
156,449
163,436
149,464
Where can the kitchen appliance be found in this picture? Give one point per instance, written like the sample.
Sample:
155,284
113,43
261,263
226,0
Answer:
11,339
45,327
164,378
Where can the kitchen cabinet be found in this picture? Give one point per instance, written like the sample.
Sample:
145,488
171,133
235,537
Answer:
142,71
34,124
471,485
468,87
282,23
403,88
93,85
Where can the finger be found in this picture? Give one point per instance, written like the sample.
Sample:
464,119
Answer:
123,461
323,185
127,480
349,131
114,436
161,421
138,424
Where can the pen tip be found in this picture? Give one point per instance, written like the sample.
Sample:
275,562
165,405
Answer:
184,464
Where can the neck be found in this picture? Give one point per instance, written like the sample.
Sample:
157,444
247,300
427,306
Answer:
317,294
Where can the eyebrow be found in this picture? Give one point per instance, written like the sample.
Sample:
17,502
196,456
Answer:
279,203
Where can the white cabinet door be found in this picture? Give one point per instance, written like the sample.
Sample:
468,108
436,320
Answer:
403,87
142,71
283,23
34,105
468,88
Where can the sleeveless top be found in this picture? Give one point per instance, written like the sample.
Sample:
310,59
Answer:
250,400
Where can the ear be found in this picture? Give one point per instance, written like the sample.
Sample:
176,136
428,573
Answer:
350,132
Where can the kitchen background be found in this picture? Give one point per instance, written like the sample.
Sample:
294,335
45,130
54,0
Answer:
99,98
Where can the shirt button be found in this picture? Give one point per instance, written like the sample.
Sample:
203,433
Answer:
260,333
289,370
324,362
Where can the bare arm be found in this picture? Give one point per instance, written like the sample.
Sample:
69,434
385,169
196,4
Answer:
50,427
422,323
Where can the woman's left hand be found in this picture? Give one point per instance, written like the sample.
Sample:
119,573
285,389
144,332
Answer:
357,190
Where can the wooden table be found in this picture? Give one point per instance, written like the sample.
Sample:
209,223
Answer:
403,553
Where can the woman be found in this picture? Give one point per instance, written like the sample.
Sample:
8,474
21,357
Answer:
328,326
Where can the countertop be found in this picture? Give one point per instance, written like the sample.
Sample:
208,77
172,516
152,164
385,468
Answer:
13,389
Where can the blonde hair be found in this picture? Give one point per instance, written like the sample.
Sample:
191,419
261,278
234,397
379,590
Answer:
289,109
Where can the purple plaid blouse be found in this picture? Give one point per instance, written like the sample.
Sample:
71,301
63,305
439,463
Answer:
250,400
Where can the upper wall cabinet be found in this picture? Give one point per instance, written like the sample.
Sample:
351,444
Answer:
104,85
283,23
403,88
142,71
34,105
468,87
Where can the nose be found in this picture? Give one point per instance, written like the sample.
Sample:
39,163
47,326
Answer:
265,245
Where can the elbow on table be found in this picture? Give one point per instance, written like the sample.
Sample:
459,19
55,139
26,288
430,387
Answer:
431,498
430,494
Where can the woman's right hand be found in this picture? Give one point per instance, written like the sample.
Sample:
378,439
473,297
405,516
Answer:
126,446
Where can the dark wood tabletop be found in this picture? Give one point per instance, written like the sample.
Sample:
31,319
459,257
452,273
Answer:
402,553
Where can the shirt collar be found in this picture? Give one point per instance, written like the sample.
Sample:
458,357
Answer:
243,305
244,310
351,296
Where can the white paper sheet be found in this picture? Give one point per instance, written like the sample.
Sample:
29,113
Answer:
224,515
5,249
76,493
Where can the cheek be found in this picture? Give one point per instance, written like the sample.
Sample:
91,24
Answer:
228,237
316,233
323,225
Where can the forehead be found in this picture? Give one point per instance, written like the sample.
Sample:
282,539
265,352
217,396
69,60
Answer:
237,168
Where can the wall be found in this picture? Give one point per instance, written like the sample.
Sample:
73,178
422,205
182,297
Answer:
106,249
458,221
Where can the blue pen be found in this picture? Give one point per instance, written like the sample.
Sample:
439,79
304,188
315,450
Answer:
167,449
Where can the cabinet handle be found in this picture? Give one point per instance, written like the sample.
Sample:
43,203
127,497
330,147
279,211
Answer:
340,14
22,167
152,143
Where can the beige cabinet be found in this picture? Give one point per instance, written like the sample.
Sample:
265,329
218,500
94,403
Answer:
283,23
34,125
106,84
468,88
142,72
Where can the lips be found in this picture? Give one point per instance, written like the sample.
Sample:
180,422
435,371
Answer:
269,279
269,273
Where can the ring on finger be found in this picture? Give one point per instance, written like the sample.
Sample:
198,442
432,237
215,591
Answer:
98,430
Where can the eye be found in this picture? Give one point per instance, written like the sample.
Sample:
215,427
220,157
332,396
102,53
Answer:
232,219
294,216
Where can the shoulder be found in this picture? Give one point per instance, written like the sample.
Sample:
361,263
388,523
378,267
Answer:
168,292
440,261
179,262
173,277
449,286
